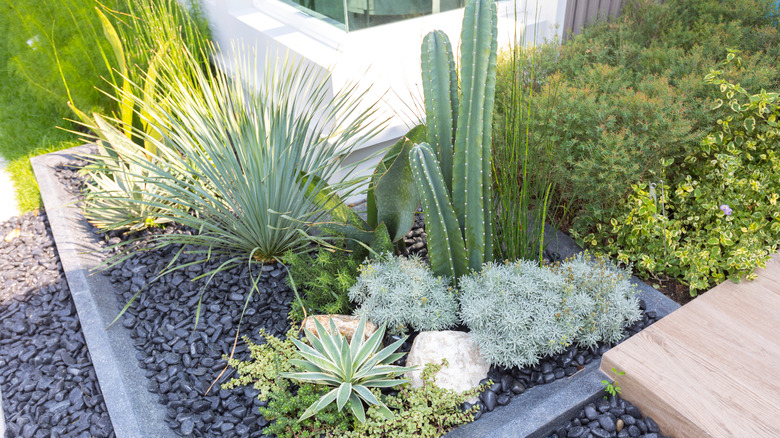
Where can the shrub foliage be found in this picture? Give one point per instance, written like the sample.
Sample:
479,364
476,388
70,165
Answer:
622,105
325,279
722,220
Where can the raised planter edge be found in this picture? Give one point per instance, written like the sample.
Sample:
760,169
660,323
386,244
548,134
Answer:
133,410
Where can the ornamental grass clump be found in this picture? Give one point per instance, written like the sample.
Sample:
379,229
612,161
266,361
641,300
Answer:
158,29
404,294
520,312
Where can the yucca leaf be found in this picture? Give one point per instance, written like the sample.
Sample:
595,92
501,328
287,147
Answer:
346,359
369,347
315,342
365,394
385,353
306,365
357,338
320,378
385,383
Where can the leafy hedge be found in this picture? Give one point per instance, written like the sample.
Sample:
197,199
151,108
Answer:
623,104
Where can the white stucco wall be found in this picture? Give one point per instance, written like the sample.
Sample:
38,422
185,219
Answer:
385,58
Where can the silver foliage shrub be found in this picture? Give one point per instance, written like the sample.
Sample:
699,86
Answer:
520,312
405,294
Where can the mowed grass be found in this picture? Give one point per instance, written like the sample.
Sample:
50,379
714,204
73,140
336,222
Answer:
33,101
28,127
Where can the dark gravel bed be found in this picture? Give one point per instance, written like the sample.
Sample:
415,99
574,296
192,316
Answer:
47,380
182,360
609,418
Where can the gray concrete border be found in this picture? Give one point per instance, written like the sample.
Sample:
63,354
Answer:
2,417
134,411
542,409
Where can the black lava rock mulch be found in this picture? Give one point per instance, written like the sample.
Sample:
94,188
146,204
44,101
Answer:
48,384
609,418
182,360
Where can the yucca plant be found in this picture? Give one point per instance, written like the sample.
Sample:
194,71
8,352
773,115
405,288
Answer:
112,180
244,160
352,368
452,169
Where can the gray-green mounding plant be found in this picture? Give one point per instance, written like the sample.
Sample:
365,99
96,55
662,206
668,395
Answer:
521,312
452,169
404,294
351,367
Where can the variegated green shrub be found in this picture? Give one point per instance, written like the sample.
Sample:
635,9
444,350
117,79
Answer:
723,219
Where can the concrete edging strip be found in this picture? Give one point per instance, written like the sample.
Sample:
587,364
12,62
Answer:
134,411
2,417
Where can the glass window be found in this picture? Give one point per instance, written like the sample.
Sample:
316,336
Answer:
360,14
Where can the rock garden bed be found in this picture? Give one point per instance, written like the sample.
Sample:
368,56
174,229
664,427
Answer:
179,363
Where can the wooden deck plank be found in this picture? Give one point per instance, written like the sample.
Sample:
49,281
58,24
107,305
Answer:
769,277
709,369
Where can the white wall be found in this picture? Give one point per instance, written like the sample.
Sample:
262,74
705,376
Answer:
385,58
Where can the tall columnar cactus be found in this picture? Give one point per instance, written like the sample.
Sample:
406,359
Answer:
456,181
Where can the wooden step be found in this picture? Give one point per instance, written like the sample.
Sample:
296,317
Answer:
710,369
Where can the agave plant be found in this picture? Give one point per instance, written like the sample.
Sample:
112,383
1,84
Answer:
351,367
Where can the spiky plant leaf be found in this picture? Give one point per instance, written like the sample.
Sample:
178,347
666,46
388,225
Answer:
358,366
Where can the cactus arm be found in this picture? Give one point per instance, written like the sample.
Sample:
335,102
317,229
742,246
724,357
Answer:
446,249
469,165
438,71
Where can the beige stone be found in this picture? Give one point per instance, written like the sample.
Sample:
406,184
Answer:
466,365
345,324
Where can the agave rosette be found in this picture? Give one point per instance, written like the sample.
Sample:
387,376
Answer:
352,368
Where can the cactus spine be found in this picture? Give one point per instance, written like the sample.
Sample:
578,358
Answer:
460,128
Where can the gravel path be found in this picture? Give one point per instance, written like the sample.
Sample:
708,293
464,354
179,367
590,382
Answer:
47,380
614,417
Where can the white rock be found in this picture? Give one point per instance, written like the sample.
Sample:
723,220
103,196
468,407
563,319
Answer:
466,365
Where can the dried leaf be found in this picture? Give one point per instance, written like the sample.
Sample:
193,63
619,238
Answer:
13,235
